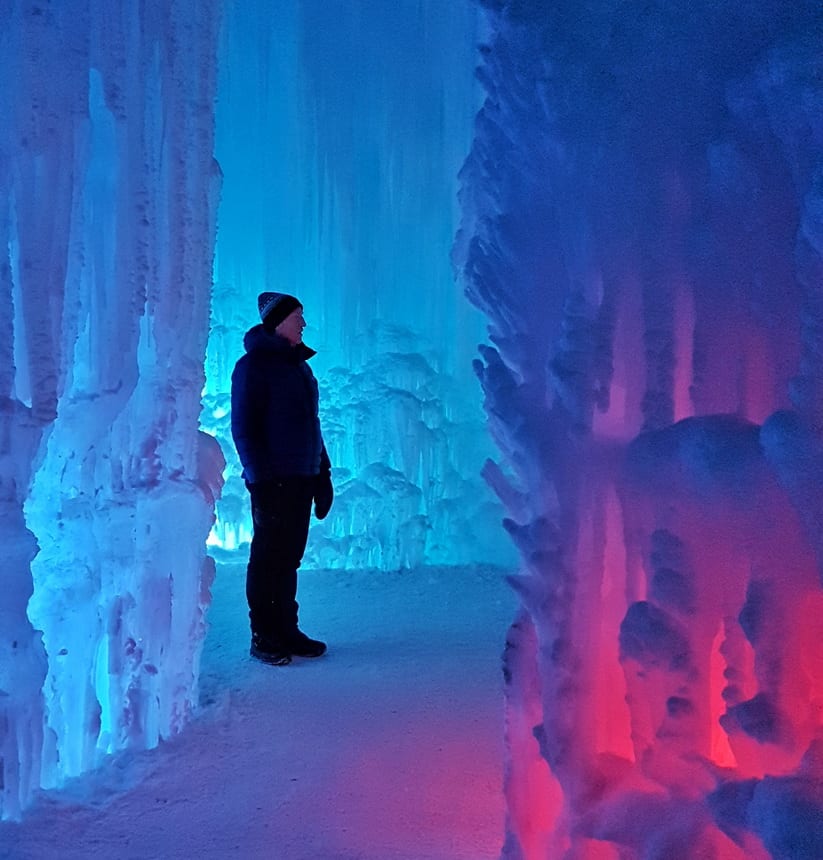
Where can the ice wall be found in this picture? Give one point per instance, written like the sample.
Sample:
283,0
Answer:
109,190
642,228
341,127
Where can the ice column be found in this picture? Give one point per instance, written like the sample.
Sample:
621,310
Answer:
109,190
642,227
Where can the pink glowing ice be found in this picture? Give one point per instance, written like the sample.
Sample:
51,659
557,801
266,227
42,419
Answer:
643,226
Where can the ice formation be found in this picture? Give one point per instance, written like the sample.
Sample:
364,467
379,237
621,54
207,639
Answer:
109,190
341,127
643,228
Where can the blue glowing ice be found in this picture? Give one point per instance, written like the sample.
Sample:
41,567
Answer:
341,130
109,190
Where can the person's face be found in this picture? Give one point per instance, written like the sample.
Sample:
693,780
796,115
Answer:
292,327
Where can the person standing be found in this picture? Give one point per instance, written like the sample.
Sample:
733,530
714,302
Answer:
276,429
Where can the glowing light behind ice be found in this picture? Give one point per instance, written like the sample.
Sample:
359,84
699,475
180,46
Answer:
340,130
642,228
109,191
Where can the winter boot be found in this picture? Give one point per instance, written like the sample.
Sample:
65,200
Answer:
268,651
301,645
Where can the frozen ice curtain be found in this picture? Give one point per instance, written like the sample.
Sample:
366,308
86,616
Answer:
642,227
341,128
109,192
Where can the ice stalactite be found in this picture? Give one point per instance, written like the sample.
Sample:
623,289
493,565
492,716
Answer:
110,191
642,228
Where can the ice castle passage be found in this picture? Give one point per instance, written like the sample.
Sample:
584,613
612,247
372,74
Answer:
639,226
161,168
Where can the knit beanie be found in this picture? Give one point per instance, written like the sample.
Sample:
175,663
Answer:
275,307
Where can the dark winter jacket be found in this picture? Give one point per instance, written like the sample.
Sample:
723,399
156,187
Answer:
274,418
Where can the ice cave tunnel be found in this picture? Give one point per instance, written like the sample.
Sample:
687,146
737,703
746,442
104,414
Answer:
629,195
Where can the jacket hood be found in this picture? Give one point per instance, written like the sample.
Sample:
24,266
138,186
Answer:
257,339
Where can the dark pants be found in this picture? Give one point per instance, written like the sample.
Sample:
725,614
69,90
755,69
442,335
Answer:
280,511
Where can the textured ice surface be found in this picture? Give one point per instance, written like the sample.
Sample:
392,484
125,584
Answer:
109,191
340,130
642,227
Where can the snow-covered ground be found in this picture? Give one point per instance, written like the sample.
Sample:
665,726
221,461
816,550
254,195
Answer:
388,748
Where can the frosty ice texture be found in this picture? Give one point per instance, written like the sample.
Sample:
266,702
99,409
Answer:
109,190
340,129
642,227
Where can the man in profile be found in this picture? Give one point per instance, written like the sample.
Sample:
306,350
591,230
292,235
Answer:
276,429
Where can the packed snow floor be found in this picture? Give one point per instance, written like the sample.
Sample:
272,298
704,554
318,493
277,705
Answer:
388,748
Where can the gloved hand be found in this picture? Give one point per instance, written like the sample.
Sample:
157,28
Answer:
323,494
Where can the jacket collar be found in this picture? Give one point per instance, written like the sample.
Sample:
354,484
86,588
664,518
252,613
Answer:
257,339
